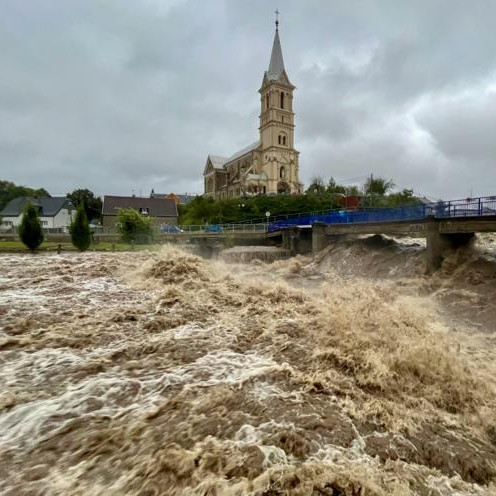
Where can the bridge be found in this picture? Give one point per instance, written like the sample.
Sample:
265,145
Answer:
445,225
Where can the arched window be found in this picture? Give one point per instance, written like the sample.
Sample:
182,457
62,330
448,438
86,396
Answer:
279,139
267,102
282,100
284,140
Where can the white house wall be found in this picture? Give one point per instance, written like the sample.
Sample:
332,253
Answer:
62,219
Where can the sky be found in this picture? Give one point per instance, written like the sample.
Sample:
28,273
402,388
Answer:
122,96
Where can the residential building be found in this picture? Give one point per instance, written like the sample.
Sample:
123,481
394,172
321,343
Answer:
54,213
163,210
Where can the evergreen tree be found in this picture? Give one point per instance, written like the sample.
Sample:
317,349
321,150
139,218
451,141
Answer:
80,230
30,228
92,204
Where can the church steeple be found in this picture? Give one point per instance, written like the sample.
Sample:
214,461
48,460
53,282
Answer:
279,157
276,71
276,66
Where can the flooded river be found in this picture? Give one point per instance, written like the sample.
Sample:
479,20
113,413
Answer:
350,373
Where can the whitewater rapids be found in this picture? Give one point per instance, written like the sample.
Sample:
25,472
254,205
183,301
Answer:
349,373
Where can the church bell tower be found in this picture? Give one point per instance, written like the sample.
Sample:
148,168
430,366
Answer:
279,157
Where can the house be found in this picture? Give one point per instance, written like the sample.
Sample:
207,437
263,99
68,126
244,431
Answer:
163,210
270,165
179,199
54,213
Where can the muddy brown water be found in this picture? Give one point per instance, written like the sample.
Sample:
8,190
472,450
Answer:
164,374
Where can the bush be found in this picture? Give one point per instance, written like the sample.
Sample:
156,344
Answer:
30,228
133,226
80,230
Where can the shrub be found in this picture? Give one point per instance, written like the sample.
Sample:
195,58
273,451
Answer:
30,228
133,226
80,230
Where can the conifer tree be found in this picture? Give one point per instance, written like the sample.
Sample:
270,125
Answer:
30,230
80,230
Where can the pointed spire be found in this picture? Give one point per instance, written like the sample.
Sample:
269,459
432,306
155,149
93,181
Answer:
276,66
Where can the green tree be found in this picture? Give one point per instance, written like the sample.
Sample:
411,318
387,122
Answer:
80,230
402,198
377,185
9,191
133,226
333,187
92,204
317,185
30,229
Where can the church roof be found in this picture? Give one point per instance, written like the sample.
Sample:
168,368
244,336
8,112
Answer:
217,161
244,151
276,65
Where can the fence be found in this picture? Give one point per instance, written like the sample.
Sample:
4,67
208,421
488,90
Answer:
470,207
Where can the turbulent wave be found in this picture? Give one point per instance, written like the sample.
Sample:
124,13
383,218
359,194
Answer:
165,374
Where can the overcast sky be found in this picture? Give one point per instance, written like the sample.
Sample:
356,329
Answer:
128,95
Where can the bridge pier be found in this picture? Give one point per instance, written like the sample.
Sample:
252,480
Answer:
298,241
319,238
438,243
434,247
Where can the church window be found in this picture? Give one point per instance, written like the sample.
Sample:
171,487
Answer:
279,139
282,119
267,102
284,140
282,100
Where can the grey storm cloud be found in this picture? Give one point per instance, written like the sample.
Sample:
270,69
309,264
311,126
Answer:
130,95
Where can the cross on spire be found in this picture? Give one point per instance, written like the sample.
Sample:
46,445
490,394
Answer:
276,12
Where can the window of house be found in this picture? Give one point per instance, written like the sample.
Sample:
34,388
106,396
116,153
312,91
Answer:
44,223
144,211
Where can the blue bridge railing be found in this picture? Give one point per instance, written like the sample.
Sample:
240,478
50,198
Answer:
470,207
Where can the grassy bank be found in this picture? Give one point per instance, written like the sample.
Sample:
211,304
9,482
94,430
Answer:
17,246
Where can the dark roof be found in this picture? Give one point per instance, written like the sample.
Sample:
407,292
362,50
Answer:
157,207
185,199
49,207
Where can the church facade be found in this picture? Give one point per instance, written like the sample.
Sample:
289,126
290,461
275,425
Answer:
270,165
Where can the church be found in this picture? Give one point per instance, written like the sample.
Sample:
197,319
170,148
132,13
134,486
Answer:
270,165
